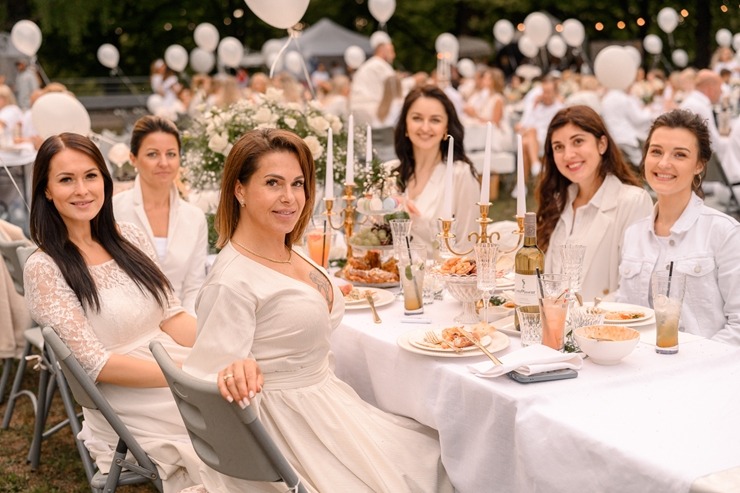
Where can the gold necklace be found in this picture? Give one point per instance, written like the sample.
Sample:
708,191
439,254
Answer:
290,254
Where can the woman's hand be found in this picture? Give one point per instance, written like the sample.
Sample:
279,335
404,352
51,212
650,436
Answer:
240,381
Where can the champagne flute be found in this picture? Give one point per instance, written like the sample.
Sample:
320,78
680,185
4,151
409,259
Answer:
485,264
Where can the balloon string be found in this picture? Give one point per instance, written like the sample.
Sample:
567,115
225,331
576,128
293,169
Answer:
23,197
305,71
280,53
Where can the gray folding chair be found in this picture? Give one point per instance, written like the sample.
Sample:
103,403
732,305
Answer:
124,470
229,439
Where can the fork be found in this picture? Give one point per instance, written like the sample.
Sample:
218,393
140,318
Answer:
431,337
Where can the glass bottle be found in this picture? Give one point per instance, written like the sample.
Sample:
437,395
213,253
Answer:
527,260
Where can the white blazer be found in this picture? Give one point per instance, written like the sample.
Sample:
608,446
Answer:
600,226
184,263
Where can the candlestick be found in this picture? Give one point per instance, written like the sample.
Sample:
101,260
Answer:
485,184
329,190
521,192
447,203
350,175
369,149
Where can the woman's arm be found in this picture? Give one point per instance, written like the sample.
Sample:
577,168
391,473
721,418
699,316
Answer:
728,280
128,371
196,264
181,327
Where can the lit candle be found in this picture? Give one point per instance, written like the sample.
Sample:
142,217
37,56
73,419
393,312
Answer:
329,190
350,177
485,183
447,201
369,148
521,193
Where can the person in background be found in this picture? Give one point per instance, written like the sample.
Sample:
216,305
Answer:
265,315
177,229
628,121
706,93
701,242
96,283
11,116
336,100
587,195
25,83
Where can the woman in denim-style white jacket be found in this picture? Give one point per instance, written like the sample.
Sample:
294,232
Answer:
702,243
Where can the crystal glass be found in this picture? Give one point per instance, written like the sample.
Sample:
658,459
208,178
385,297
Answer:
552,293
581,316
530,324
571,258
465,290
400,233
485,264
667,295
411,268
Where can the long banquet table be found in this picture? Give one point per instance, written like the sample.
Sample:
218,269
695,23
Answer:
652,423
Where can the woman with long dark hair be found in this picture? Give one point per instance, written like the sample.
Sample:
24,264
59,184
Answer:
97,285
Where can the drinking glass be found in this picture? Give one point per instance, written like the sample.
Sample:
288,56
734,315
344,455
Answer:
571,258
411,267
318,240
485,266
400,233
667,296
552,291
581,316
530,324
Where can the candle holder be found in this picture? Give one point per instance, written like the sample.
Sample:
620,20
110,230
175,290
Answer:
347,215
482,235
520,235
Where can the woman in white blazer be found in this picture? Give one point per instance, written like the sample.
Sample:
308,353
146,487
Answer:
177,229
587,195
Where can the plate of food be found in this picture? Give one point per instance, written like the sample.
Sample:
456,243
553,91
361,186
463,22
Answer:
356,298
370,271
624,313
452,344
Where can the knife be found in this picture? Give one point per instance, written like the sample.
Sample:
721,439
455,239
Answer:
480,346
369,298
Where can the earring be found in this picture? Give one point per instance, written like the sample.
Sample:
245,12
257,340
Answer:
696,185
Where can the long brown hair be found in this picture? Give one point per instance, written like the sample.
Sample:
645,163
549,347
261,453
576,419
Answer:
49,231
243,161
552,189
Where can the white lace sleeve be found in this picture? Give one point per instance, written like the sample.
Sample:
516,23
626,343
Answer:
53,303
136,236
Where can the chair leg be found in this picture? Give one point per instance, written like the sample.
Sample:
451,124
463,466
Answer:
7,365
16,391
34,454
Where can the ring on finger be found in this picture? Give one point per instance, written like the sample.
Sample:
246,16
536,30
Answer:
228,376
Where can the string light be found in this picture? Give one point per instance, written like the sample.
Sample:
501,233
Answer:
684,13
520,27
621,25
599,26
640,21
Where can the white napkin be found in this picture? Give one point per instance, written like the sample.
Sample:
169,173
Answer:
528,361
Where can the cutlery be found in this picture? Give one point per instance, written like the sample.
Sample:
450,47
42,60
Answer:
369,298
432,337
480,346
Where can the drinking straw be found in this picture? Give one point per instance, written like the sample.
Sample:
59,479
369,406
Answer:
670,274
408,249
539,281
323,247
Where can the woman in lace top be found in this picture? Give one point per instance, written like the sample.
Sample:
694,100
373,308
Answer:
98,286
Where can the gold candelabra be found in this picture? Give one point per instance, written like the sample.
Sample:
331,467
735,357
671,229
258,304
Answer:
348,221
482,235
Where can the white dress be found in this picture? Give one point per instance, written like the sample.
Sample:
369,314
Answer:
150,413
334,440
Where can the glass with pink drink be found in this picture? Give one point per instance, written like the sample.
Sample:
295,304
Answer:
552,293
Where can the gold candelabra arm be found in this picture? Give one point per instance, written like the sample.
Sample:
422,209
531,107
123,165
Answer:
350,206
480,236
520,235
446,235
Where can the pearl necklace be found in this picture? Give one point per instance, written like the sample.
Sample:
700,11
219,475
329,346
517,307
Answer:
290,254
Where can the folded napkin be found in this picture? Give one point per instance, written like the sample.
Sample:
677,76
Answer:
528,361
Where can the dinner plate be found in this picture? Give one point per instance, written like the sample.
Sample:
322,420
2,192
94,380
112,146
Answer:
506,326
611,306
381,297
498,342
359,284
419,340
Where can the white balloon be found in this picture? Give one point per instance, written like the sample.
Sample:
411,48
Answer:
527,47
723,37
202,61
294,62
206,36
556,46
635,54
668,19
378,38
573,32
381,10
26,37
528,71
537,27
354,56
57,112
447,43
653,44
680,58
615,68
153,103
466,68
176,57
271,47
503,31
119,154
230,52
281,14
736,42
108,55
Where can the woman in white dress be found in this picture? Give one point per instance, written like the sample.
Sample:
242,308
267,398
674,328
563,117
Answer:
421,143
98,286
265,315
176,228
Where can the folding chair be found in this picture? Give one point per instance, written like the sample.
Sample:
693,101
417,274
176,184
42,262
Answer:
733,205
229,439
124,470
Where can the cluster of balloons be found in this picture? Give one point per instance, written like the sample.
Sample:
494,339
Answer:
538,33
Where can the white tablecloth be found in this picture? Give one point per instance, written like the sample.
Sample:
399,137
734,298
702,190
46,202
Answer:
652,423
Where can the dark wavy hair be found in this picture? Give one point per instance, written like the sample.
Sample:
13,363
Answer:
552,188
50,233
243,161
404,148
693,123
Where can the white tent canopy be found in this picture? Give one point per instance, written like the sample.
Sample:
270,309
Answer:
326,39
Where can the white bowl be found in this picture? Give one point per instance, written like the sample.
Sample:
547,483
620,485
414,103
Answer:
622,340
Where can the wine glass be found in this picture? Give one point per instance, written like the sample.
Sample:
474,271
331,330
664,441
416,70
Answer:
485,264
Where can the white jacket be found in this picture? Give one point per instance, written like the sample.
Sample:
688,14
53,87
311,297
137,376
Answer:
700,104
704,244
627,119
184,264
600,226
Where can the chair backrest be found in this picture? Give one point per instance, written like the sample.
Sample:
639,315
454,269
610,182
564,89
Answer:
227,438
9,251
87,395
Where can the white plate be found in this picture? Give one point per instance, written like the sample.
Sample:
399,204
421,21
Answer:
419,340
358,284
506,325
612,306
498,342
381,297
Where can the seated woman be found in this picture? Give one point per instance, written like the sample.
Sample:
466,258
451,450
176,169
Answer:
702,243
421,143
97,285
587,195
265,315
177,229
